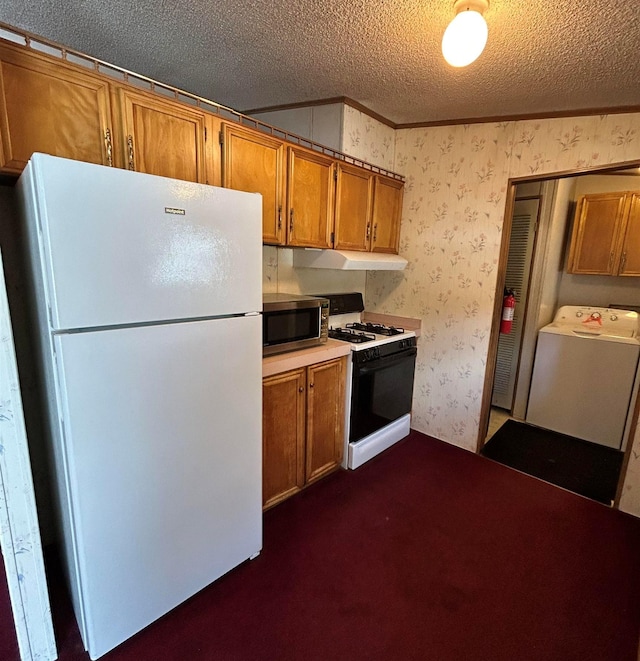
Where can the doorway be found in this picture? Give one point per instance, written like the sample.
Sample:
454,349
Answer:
548,287
533,206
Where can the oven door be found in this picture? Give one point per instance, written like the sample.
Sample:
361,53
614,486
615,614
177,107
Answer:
381,391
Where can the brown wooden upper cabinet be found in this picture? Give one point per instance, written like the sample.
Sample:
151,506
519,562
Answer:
162,137
56,107
368,210
310,198
605,238
51,107
254,162
354,197
630,258
297,204
386,214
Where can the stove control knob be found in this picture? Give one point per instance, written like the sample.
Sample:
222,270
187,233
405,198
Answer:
579,313
596,315
614,317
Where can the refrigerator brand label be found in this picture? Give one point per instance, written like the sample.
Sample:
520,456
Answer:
173,210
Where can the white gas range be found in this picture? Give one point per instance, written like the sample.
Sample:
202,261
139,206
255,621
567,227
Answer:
380,379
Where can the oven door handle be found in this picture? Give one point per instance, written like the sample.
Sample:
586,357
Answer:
380,363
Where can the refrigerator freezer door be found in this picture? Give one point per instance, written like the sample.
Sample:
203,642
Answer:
163,447
122,247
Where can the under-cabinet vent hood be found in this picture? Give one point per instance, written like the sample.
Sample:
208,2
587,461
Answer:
347,260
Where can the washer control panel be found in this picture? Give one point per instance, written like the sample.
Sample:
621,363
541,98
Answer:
605,321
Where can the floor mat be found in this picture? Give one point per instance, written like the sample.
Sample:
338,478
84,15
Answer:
585,468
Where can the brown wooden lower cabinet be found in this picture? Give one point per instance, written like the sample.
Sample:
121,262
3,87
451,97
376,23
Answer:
302,428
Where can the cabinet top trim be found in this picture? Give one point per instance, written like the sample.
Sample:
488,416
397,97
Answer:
30,41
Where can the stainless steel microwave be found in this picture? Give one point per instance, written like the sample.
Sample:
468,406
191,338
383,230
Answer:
292,321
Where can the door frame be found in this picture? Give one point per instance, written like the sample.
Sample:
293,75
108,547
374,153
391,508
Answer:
485,408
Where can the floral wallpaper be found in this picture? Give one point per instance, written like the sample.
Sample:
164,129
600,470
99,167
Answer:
454,202
19,531
368,139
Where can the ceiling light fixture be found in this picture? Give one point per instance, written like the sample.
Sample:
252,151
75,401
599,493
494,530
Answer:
466,35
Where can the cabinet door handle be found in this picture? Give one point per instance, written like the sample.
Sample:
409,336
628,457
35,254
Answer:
610,259
311,385
375,231
130,146
368,231
300,389
107,139
624,260
279,217
291,222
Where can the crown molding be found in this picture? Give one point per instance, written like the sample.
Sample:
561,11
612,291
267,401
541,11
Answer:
494,119
577,112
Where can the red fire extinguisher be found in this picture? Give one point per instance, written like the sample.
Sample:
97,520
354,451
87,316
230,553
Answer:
508,308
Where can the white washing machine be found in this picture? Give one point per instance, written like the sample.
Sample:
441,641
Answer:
584,373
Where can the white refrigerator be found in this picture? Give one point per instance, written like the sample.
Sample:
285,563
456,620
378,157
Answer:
148,299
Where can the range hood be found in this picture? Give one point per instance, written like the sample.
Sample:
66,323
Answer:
347,260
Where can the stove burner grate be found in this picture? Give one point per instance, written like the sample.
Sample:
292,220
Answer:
378,329
350,334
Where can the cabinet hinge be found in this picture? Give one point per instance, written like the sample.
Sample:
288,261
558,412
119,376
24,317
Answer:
335,175
332,238
221,137
205,133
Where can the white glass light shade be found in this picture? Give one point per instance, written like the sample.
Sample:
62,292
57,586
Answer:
465,38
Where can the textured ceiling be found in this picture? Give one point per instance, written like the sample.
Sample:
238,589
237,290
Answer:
541,57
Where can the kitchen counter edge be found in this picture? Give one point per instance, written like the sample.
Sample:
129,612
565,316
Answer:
408,323
283,362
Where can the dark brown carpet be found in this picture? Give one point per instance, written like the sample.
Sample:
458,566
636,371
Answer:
589,469
427,552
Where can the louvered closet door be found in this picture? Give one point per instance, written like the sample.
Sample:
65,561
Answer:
525,216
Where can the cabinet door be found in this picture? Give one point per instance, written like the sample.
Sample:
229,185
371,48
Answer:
595,235
630,258
254,162
162,137
353,208
283,430
325,417
213,155
310,198
387,211
50,107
